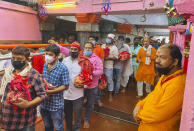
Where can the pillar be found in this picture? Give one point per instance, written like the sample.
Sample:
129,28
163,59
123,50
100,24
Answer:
171,37
86,24
185,8
187,119
173,30
179,37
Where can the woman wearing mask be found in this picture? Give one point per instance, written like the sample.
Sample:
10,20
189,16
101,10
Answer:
109,62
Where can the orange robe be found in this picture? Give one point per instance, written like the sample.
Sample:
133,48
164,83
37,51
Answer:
145,72
161,109
98,51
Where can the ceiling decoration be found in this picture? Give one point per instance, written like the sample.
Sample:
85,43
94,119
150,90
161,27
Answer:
106,6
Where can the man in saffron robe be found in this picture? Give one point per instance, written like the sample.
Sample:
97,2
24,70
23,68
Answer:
145,72
161,109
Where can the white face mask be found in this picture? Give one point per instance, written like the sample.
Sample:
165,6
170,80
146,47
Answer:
49,59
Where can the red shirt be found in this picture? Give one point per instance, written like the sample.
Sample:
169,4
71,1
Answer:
38,63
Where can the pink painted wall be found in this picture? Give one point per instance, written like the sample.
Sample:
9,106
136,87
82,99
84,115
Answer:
18,22
94,6
187,119
184,6
179,37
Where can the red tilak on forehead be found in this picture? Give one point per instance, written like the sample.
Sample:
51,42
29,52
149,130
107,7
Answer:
158,52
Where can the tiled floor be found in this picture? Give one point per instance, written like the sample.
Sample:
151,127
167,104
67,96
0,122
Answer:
124,102
102,123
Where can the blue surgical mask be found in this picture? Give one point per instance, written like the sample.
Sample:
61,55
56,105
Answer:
108,41
93,43
88,53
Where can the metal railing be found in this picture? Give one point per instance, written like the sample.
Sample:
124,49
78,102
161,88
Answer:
3,46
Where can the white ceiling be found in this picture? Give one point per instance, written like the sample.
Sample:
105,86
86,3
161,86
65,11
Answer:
151,19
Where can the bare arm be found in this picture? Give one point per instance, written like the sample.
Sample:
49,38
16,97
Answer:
2,73
57,90
26,104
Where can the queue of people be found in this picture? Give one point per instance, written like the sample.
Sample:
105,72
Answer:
70,77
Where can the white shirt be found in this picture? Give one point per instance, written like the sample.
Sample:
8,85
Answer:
119,64
5,63
74,69
114,53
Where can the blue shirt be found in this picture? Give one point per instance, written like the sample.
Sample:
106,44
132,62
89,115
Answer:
57,76
135,51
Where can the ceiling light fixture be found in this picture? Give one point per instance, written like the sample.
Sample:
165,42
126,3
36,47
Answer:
64,4
143,18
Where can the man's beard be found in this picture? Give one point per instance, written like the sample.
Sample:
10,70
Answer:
164,71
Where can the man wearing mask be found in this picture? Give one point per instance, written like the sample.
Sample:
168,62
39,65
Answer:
91,91
134,51
109,62
61,57
145,72
24,117
73,97
55,73
118,65
97,49
161,109
100,53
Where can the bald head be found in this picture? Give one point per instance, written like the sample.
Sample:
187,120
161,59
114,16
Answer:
146,42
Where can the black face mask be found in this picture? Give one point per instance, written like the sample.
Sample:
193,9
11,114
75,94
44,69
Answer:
74,54
60,59
164,71
18,64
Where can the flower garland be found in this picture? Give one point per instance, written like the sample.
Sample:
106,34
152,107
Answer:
19,88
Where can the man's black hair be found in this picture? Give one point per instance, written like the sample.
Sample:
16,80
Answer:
121,37
175,52
53,48
89,43
21,50
92,37
127,40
